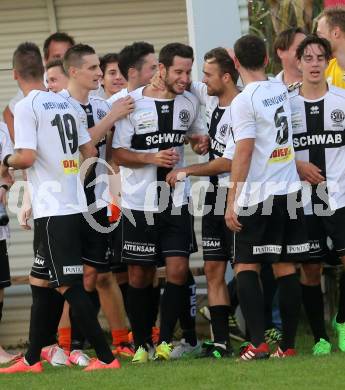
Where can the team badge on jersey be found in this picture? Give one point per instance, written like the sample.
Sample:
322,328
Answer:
184,116
70,167
337,116
223,130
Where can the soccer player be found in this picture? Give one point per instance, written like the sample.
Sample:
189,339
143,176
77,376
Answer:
265,191
156,222
54,47
331,26
5,280
81,63
319,141
49,132
138,64
285,46
56,77
216,92
112,80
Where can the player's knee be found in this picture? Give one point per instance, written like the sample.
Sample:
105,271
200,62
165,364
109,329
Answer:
89,280
104,281
214,272
178,274
311,274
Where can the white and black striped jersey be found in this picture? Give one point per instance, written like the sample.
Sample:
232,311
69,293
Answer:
155,124
262,111
319,137
96,184
219,124
117,96
49,124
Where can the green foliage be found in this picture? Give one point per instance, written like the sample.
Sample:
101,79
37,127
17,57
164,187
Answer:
268,17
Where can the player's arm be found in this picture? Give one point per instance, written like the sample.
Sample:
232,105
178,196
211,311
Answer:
119,109
244,131
211,168
309,172
20,159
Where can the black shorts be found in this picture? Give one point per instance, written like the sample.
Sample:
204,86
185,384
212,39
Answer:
115,248
217,238
322,227
272,238
148,237
39,268
95,242
60,237
5,278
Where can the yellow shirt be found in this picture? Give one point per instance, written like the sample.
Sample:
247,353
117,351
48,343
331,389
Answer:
335,75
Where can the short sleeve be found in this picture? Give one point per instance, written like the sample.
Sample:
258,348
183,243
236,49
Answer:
229,149
25,126
199,90
123,134
198,124
83,134
243,117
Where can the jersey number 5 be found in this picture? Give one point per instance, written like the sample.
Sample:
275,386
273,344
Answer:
67,129
281,123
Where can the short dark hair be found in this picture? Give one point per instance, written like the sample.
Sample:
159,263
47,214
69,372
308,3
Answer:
221,57
132,56
109,58
285,39
74,55
27,61
54,63
57,37
171,50
250,50
314,39
335,17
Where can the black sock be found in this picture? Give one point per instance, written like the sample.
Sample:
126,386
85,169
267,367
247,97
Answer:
341,307
232,289
314,309
57,302
124,289
85,315
155,299
269,288
252,305
78,339
1,307
220,323
188,311
171,306
290,298
39,332
139,302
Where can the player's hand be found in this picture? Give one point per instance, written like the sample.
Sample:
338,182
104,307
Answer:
157,82
24,216
201,143
122,108
166,158
176,175
309,172
231,218
3,197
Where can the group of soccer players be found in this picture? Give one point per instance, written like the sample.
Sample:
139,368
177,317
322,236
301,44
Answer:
275,194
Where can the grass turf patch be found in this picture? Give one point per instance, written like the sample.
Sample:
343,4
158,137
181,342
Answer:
301,372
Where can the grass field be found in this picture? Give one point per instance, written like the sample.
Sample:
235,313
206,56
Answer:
302,372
